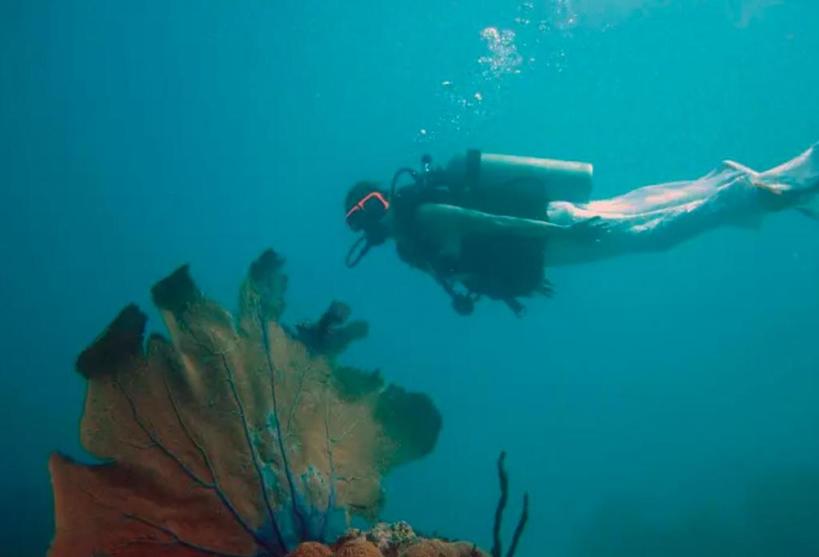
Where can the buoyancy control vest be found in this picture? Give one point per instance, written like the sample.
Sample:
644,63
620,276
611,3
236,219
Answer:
503,268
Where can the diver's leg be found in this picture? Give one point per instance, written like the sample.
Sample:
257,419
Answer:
659,217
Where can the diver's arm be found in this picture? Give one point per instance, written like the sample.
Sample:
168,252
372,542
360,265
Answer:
446,221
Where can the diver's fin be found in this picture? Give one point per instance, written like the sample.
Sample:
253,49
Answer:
517,308
810,208
546,288
809,212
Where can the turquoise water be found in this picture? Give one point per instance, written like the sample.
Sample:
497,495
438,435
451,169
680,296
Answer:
659,405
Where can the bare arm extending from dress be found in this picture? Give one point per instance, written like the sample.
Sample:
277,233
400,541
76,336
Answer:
447,225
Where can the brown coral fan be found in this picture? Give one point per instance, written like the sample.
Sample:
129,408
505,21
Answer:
331,334
229,438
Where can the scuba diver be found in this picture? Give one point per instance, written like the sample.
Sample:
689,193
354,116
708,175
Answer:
488,225
478,226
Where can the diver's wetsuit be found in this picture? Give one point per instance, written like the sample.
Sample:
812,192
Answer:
503,268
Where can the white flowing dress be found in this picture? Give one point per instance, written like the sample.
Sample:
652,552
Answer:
657,217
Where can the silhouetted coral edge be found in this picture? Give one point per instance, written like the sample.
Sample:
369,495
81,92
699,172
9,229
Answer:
120,342
176,292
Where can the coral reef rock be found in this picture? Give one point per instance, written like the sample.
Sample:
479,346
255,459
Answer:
388,540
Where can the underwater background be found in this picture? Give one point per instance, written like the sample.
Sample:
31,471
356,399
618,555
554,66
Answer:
665,404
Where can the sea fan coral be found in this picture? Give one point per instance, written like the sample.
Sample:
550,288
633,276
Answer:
230,438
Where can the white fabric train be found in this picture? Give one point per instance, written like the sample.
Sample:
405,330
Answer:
657,217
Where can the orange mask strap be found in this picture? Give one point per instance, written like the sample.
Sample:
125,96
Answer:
360,205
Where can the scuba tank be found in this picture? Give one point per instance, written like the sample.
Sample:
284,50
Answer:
505,268
560,180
